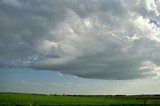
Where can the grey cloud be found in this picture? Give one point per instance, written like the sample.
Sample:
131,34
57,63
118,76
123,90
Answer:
105,39
25,26
99,67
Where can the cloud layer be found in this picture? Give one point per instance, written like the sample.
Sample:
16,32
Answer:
106,39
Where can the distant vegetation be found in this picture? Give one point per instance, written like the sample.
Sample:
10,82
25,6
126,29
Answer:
15,99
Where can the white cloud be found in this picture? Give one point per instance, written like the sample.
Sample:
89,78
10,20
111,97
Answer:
152,6
23,82
147,65
147,29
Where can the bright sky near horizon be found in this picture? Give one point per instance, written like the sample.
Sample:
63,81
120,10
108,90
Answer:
80,46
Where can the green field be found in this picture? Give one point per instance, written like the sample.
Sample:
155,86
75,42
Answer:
11,99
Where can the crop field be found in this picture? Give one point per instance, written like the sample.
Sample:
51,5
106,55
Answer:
13,99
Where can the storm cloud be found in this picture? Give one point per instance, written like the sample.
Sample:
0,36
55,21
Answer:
102,39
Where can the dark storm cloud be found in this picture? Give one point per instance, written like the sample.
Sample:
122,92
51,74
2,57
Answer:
105,39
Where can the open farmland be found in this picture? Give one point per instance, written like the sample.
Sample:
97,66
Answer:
13,99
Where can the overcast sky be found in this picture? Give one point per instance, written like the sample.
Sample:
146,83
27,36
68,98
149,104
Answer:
113,43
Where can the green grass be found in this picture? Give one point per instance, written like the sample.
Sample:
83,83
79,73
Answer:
10,99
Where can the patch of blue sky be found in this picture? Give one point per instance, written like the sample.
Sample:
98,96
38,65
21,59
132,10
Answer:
156,23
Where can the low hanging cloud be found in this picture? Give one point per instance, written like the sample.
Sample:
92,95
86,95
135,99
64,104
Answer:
102,39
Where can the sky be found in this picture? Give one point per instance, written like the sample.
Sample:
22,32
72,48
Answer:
93,47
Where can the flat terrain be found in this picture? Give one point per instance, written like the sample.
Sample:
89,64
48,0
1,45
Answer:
13,99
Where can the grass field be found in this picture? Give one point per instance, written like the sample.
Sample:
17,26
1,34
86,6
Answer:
11,99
